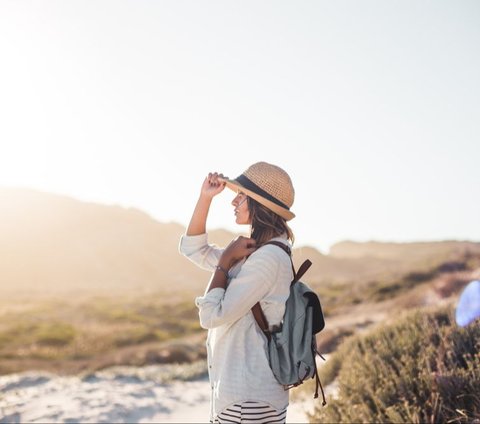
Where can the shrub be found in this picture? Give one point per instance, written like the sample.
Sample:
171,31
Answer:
137,335
55,334
422,368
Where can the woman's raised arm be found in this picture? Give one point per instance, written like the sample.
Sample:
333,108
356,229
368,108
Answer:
210,188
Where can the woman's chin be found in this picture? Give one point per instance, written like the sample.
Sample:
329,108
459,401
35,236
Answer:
240,221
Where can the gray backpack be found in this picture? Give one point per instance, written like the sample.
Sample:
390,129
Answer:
292,347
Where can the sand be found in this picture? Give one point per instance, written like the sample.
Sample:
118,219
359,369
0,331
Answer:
115,395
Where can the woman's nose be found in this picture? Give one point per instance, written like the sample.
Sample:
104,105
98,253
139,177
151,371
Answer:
236,200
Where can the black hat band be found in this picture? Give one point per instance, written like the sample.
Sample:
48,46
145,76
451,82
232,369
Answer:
250,185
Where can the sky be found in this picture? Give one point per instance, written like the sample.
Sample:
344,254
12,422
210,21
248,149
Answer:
372,107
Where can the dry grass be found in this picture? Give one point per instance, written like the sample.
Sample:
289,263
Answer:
67,335
73,333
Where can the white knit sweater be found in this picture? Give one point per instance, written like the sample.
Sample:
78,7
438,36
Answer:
236,347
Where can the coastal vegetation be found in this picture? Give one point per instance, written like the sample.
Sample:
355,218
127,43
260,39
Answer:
421,367
70,335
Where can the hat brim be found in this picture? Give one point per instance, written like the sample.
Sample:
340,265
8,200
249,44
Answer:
279,210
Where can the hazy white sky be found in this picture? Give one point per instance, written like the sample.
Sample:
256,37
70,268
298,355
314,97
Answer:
373,107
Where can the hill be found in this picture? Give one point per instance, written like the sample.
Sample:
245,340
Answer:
406,251
52,243
56,244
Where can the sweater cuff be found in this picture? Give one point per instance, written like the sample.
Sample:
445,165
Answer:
214,296
188,243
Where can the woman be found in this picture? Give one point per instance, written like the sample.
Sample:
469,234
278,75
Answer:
243,388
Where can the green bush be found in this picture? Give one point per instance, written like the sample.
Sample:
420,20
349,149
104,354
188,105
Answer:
423,368
55,334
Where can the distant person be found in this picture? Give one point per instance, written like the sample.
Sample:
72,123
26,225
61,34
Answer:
243,387
468,306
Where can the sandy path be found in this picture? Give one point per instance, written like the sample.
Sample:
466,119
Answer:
43,397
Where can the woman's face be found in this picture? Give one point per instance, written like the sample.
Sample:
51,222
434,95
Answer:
242,214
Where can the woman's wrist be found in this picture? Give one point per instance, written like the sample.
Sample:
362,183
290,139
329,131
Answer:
219,279
205,198
222,270
225,263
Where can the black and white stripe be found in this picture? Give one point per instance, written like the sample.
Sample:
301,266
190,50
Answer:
251,412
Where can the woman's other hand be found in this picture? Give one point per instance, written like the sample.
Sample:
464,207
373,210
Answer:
212,185
236,251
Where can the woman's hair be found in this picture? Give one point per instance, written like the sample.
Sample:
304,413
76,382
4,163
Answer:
266,224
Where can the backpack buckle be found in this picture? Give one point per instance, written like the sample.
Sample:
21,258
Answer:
275,328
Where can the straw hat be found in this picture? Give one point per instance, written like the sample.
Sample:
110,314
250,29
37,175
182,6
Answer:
269,185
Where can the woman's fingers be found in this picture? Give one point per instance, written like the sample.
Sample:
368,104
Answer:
245,245
238,249
247,241
212,177
248,246
215,179
212,185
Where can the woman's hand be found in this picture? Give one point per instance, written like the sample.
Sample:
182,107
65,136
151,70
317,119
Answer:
210,188
237,250
212,185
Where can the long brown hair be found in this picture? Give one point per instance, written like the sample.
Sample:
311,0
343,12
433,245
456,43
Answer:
266,224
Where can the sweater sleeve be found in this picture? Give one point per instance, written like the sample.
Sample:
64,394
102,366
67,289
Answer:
199,251
253,282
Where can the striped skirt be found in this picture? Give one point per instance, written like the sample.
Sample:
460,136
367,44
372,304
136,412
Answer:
251,412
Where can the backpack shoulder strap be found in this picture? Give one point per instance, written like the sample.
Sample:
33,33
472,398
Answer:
262,322
257,309
303,268
281,245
